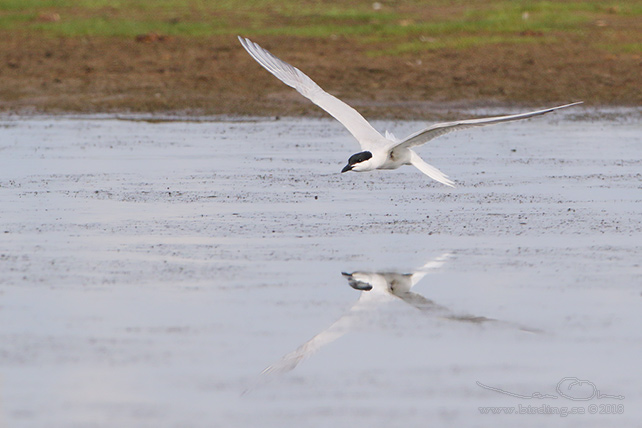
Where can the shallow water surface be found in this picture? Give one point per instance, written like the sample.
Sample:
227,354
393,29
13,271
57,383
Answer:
151,271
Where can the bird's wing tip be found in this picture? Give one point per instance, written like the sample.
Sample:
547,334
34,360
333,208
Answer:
443,180
572,104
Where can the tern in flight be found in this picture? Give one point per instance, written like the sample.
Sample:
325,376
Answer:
377,151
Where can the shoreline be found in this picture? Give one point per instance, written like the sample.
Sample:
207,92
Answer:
450,111
215,76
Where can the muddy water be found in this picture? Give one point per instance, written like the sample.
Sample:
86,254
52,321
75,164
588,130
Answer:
150,271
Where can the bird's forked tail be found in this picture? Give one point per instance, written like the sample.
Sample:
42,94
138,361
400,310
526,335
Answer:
430,170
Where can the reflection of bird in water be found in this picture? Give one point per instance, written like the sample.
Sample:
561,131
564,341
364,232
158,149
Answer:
376,288
399,285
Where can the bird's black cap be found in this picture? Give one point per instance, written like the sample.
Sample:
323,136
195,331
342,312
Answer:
355,159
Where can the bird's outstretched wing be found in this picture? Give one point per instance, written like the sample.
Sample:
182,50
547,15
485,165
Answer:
422,303
434,131
329,335
366,135
367,303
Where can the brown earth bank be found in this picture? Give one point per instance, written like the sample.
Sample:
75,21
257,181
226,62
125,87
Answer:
215,76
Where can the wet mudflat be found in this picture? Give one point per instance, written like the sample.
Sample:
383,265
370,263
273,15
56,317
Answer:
150,271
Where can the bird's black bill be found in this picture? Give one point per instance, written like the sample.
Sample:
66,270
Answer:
346,168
